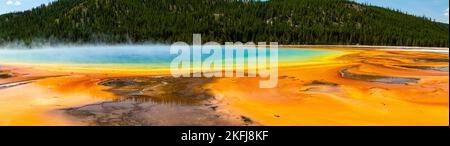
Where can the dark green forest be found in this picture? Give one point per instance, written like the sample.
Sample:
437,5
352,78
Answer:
164,21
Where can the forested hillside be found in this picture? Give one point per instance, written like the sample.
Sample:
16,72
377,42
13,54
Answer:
283,21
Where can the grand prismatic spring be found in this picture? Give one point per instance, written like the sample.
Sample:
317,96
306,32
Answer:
131,85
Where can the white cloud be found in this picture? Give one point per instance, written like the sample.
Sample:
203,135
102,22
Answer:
17,3
14,2
9,2
446,12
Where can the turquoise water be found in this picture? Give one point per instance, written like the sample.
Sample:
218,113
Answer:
152,55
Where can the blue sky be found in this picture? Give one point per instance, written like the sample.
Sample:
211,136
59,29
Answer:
436,9
7,6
